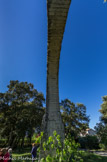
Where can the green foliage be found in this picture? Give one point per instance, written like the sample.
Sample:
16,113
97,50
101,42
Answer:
56,151
103,146
101,128
74,117
103,110
21,112
89,142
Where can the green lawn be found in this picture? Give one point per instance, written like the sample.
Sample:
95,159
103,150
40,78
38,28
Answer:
22,155
88,157
26,157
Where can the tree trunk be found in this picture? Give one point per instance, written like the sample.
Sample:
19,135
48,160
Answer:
11,139
30,140
22,142
14,144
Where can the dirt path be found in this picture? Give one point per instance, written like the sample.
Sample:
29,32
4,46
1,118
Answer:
101,153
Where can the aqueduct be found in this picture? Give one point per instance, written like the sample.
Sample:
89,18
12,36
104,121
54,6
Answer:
57,11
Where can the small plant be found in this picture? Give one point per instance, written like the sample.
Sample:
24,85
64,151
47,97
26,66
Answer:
56,151
89,142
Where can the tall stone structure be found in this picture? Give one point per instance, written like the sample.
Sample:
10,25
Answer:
57,11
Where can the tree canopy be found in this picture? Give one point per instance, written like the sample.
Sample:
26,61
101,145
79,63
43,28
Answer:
21,111
74,117
101,128
103,110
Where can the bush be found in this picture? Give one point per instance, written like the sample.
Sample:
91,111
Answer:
54,151
3,142
103,146
89,142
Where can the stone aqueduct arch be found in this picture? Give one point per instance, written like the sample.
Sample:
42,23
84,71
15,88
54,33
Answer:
57,11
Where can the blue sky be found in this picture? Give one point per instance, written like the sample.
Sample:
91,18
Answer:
83,63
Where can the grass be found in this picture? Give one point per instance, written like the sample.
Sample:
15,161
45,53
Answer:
90,157
18,156
22,155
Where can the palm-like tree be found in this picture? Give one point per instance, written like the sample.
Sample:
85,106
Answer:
57,11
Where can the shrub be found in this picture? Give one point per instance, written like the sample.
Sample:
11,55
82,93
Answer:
103,146
3,142
55,151
89,142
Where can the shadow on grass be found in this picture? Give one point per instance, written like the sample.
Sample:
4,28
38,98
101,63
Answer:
25,156
22,155
90,157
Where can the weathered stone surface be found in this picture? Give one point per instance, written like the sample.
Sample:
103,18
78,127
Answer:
57,11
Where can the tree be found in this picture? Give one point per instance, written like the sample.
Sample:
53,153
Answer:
21,110
74,117
101,128
89,142
103,110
